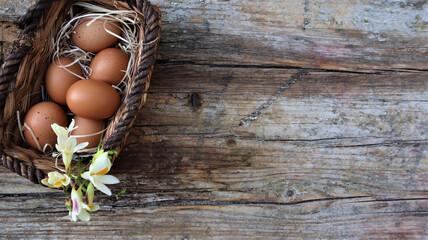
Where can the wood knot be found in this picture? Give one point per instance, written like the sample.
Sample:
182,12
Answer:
195,100
231,142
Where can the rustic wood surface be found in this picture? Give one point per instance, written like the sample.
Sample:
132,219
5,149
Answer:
265,120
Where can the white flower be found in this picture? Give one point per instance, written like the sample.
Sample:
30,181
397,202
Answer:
78,208
62,131
66,144
96,174
56,180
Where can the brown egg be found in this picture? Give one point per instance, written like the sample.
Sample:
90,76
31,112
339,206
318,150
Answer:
39,118
88,127
92,99
109,65
58,79
94,38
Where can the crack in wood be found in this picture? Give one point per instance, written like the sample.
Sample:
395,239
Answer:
395,199
237,203
392,143
191,203
372,71
258,112
32,195
211,134
404,212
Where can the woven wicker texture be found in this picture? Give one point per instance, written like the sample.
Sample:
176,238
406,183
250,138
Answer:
23,74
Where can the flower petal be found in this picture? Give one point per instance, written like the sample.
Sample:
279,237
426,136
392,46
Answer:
57,184
90,193
103,188
76,200
84,206
59,131
58,147
66,159
51,174
70,144
84,216
66,180
86,175
98,154
73,217
46,183
107,179
94,208
100,163
56,179
80,146
71,127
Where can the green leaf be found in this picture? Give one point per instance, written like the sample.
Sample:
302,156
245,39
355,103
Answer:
112,152
123,191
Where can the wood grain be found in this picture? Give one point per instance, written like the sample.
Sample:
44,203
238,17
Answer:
355,36
328,135
350,35
12,10
358,218
265,120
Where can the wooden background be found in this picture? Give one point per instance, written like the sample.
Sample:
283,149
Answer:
265,120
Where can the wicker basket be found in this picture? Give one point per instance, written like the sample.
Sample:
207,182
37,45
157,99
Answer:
23,74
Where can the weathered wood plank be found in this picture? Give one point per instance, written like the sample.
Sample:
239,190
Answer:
12,10
11,183
328,135
245,136
356,35
192,155
357,218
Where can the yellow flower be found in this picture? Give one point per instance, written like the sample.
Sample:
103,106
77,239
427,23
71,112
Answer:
56,180
66,144
78,208
96,174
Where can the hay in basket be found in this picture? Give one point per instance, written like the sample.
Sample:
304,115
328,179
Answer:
22,75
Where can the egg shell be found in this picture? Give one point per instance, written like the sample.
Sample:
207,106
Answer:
88,127
109,65
92,99
39,118
58,79
94,38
